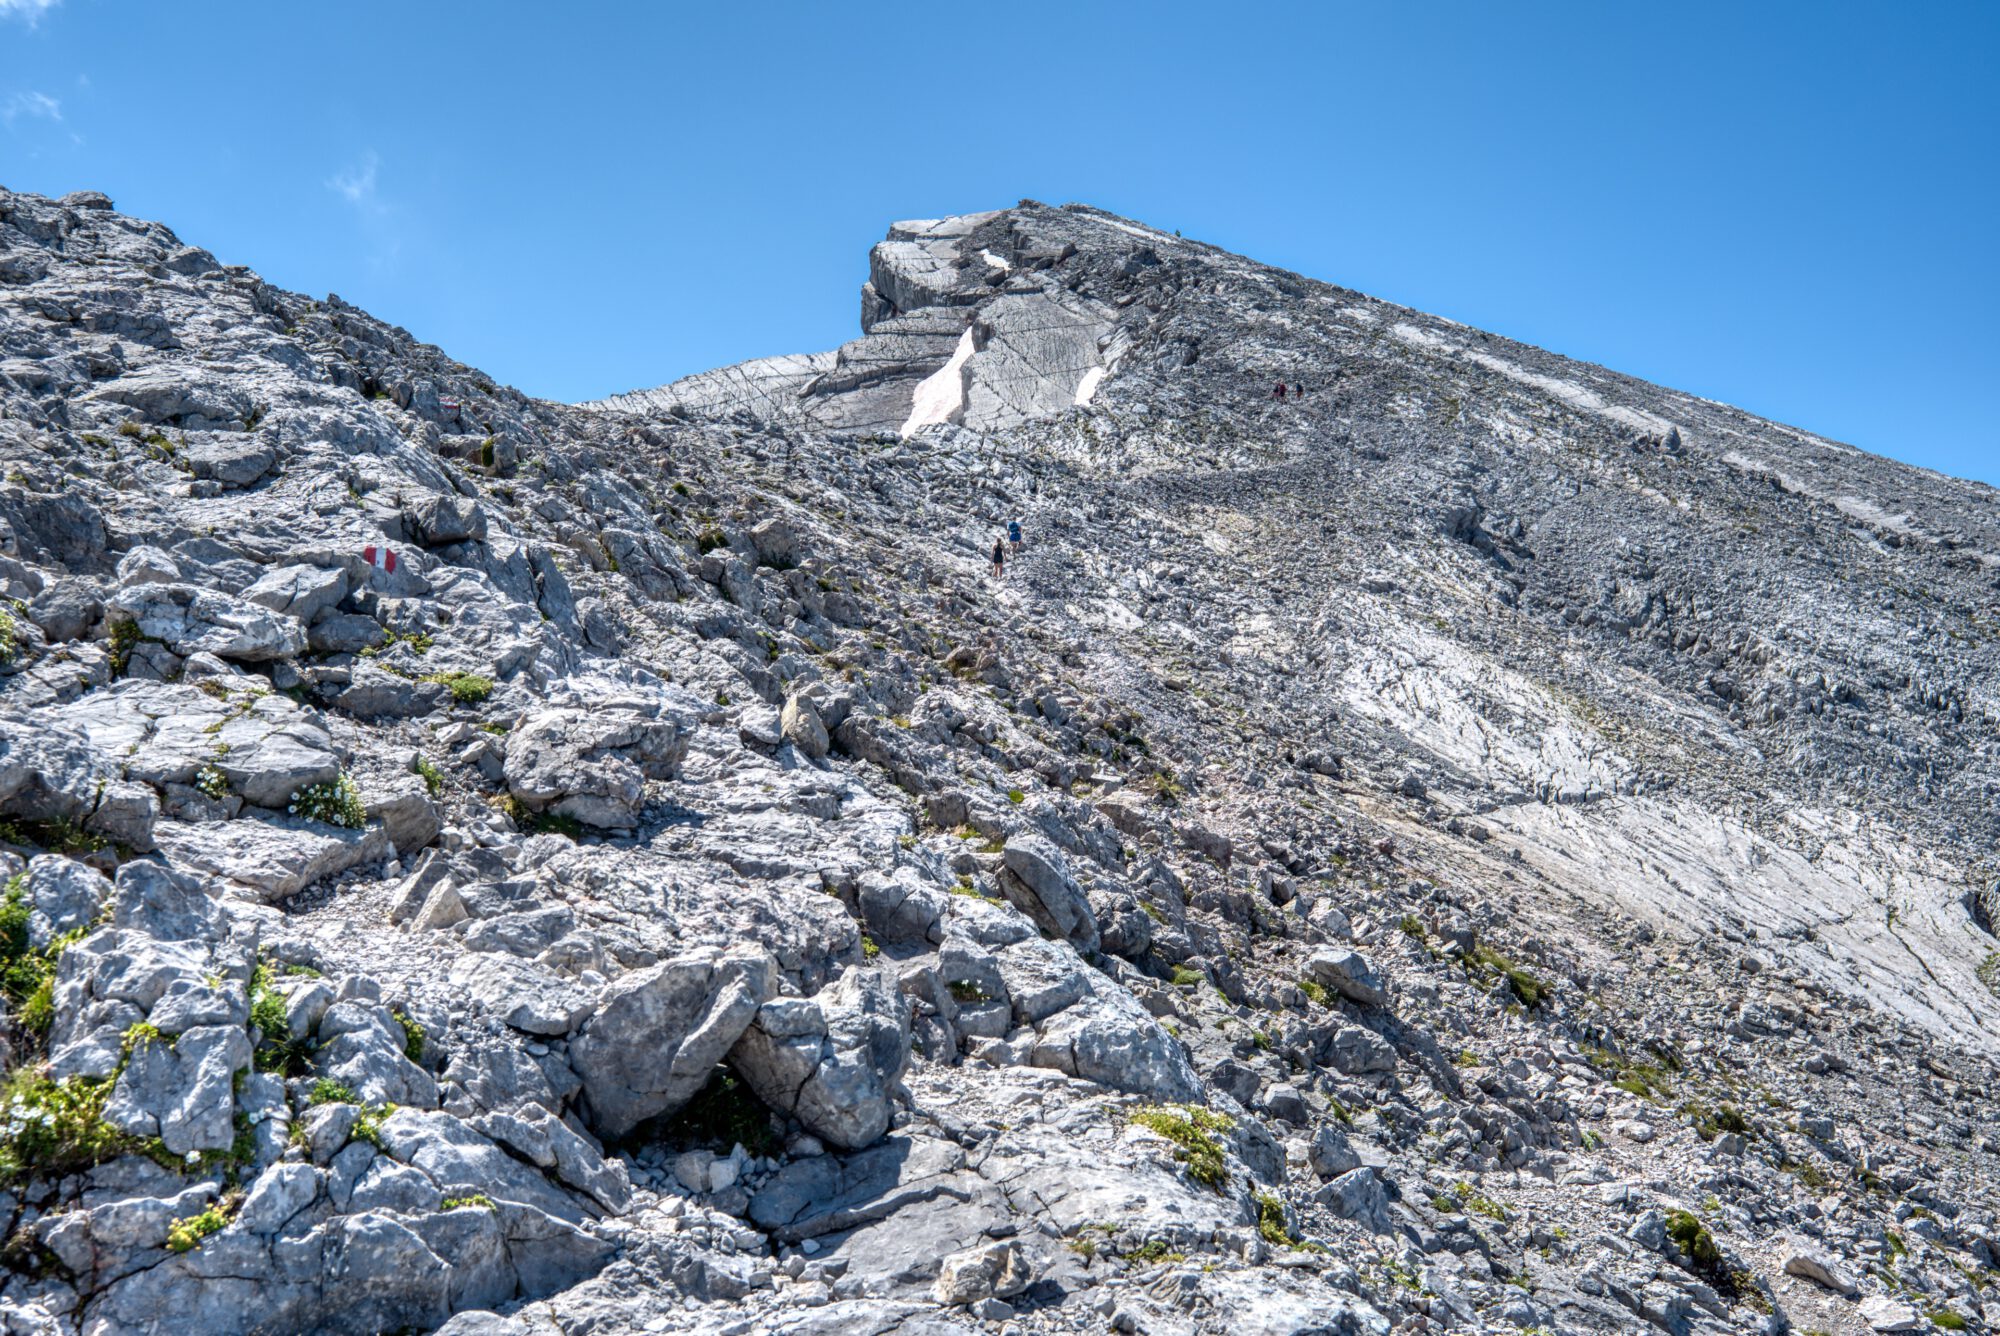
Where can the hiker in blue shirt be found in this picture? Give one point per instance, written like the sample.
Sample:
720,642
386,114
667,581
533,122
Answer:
1014,536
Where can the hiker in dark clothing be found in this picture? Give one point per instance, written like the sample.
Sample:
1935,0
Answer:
1298,390
999,558
1279,393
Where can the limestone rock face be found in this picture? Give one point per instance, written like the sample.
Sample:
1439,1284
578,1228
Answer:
589,765
803,727
831,1060
188,619
656,1037
1475,842
1036,880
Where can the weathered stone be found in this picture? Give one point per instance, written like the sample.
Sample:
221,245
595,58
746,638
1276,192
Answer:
801,725
182,1093
303,592
994,1270
1802,1257
1036,880
591,765
189,619
831,1060
1349,974
656,1036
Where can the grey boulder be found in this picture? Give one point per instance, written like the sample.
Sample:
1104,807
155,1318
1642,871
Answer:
1035,878
182,1093
188,619
1803,1257
658,1033
303,592
831,1060
803,728
1349,974
62,895
591,765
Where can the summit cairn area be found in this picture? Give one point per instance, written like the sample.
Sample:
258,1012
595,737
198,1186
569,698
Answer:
1472,843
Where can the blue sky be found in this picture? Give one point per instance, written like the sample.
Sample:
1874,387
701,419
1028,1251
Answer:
1790,207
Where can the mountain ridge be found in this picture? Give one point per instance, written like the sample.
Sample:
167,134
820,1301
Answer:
1487,843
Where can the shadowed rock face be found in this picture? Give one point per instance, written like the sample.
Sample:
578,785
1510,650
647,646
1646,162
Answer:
1524,831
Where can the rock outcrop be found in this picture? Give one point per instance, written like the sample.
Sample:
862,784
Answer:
1475,843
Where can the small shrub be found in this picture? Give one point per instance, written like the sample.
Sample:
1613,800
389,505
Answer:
124,638
326,1090
1473,1201
531,822
336,801
368,1124
1186,976
476,1201
277,1051
1316,992
1152,1252
186,1235
1413,926
1948,1320
141,1033
1694,1240
49,1128
1271,1220
1192,1129
27,976
212,782
465,688
1016,797
1807,1173
413,1036
9,643
1530,991
433,777
1710,1124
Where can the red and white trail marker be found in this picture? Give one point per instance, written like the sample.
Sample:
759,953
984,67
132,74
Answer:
381,558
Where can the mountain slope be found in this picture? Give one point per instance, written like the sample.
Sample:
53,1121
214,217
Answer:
1486,842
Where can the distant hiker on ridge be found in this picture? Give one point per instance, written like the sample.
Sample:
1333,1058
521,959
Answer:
1279,393
999,558
1014,537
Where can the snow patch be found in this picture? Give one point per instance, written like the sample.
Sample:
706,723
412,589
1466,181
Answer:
941,396
1419,338
1576,396
1867,512
1087,387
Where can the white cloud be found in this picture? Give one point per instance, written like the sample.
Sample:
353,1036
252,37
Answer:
355,184
31,10
375,216
31,105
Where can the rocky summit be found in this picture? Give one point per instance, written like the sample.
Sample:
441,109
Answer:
1466,842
